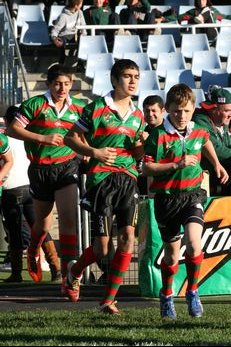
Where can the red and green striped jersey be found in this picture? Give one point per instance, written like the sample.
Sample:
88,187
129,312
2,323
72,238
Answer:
39,115
165,145
4,148
104,127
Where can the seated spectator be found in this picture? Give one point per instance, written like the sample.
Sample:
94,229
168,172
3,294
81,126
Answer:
204,12
101,14
137,12
215,115
64,30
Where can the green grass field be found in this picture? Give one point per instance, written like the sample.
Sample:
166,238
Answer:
135,327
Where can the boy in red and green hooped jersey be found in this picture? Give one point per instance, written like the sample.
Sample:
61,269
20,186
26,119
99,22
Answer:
172,156
111,125
42,122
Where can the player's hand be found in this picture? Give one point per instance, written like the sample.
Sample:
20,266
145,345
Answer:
53,140
187,160
106,155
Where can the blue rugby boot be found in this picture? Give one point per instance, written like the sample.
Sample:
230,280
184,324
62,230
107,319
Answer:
167,308
195,308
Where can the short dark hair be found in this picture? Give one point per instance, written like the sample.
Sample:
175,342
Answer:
196,3
57,70
10,114
180,94
153,99
121,65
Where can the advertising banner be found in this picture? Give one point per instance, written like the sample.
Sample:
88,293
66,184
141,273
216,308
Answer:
215,273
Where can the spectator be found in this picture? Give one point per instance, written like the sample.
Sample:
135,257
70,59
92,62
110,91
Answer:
112,126
64,30
18,212
137,12
204,12
172,157
42,123
215,115
153,109
101,14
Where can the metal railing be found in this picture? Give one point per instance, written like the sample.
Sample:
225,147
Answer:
12,90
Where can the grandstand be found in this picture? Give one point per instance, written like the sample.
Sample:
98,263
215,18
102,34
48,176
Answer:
26,64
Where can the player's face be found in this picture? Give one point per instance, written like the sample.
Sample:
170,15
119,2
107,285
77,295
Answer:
60,88
128,82
153,115
180,115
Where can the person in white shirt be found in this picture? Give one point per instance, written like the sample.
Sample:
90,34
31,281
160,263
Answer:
18,212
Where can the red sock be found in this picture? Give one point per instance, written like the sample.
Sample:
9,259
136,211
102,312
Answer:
87,258
35,243
68,251
119,265
193,265
167,274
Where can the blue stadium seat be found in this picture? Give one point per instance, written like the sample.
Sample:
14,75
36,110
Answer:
126,44
228,66
194,42
118,8
55,11
200,96
169,61
91,44
160,43
185,8
214,76
97,62
204,60
35,34
179,76
224,9
141,59
148,81
223,44
102,82
29,13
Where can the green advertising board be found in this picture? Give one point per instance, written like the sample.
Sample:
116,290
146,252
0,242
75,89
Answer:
215,274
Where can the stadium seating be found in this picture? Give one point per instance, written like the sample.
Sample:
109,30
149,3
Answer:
200,96
126,44
179,76
169,61
194,42
97,62
102,82
29,13
91,44
223,44
204,60
160,43
148,81
35,34
228,66
214,76
55,11
141,59
224,9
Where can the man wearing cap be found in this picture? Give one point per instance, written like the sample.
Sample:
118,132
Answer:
215,116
